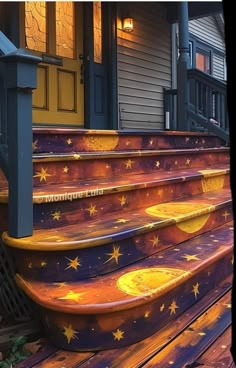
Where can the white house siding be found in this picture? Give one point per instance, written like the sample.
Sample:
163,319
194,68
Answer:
144,66
206,29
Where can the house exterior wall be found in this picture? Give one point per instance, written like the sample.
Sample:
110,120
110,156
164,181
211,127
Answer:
144,66
205,29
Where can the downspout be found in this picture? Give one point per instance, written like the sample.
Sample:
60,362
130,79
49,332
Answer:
183,64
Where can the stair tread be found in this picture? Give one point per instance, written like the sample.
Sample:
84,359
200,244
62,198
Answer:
137,284
115,227
52,157
84,189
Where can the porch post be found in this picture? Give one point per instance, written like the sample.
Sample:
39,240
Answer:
21,79
183,64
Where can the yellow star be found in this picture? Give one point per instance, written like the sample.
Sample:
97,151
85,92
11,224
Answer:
149,226
118,334
128,164
191,257
71,295
232,260
176,162
60,284
187,162
74,263
201,333
43,264
121,221
228,305
173,307
196,289
158,164
115,254
76,156
35,145
70,333
42,174
186,139
155,241
162,307
69,141
203,141
127,143
92,210
56,215
122,200
30,265
226,214
151,142
146,314
65,169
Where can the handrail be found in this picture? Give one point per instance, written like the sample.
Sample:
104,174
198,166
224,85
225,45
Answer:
207,99
18,74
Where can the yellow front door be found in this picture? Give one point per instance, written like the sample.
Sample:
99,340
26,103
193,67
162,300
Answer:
54,31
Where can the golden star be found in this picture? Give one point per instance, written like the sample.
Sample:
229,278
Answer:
187,162
65,169
74,263
189,257
70,333
128,164
43,264
69,141
146,314
162,307
60,284
196,290
232,260
158,164
92,210
186,139
201,333
127,143
228,305
176,162
149,226
30,265
42,174
155,241
71,295
173,307
56,215
203,141
76,156
226,214
122,200
151,142
35,145
115,254
121,221
118,334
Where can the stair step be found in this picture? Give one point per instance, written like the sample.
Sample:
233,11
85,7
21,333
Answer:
62,168
113,241
119,309
70,201
69,140
137,354
184,350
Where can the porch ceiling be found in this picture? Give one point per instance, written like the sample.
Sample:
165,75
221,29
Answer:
196,9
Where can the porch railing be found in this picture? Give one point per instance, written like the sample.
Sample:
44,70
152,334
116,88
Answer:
207,105
18,74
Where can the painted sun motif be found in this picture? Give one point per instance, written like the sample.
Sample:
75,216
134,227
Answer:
178,211
212,182
147,281
106,142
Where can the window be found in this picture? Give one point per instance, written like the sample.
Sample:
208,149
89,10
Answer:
203,61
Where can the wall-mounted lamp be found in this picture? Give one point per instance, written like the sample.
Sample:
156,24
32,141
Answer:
128,24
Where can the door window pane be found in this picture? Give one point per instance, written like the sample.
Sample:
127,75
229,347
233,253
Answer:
97,31
65,29
35,25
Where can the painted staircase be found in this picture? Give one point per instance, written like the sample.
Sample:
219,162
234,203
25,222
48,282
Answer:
131,229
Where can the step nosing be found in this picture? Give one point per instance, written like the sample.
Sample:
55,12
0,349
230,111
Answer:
31,242
80,156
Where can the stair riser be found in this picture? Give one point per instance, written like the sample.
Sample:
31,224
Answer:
95,332
84,169
85,141
110,201
54,266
